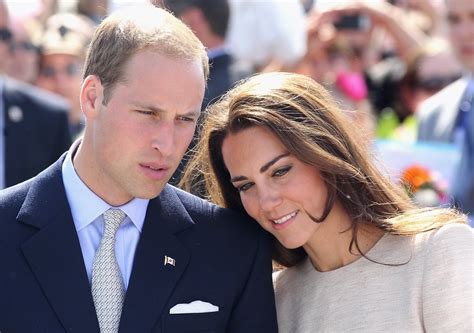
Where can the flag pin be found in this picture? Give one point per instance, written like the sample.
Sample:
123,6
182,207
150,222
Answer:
169,261
15,114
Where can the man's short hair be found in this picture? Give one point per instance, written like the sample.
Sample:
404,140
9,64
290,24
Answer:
132,29
216,12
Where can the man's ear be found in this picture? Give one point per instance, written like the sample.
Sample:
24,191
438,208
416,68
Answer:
92,95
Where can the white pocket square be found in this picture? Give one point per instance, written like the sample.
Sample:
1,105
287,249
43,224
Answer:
194,307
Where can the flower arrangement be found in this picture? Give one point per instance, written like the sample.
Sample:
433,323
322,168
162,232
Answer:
425,187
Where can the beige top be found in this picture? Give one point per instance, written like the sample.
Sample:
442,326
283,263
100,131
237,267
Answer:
431,291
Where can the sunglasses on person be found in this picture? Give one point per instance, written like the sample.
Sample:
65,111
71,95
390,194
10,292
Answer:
5,34
436,83
69,70
23,46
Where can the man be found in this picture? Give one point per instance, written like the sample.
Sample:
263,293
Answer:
23,62
99,239
33,124
63,49
448,115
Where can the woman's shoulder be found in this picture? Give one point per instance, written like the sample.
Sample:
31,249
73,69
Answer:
282,275
448,235
451,244
292,276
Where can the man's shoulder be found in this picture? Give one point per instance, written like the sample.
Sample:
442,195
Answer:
444,98
46,184
12,198
195,204
23,93
207,213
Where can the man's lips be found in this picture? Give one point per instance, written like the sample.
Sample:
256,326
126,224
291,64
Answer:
154,170
155,166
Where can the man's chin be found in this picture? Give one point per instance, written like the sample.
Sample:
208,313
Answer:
150,193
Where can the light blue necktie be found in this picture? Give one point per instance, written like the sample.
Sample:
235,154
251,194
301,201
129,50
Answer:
108,290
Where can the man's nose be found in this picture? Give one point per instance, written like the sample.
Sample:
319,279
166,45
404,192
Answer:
164,140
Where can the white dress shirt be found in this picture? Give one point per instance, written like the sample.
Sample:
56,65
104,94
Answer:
87,209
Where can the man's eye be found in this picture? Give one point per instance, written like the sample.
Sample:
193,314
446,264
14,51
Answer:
281,172
186,119
148,113
244,187
452,19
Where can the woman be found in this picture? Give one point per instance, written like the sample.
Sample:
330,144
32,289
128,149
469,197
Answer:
359,255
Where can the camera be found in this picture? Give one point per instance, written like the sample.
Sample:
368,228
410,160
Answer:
352,22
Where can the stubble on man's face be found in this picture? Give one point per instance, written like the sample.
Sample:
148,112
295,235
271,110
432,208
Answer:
144,130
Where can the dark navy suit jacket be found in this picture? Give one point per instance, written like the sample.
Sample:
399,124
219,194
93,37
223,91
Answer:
38,136
221,257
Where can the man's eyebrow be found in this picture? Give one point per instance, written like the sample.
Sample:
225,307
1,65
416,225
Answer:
194,113
157,109
147,107
273,161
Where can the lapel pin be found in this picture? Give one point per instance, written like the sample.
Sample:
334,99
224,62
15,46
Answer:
15,114
169,261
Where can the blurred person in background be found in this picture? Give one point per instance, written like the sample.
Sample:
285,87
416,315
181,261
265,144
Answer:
424,13
448,116
209,20
34,129
396,87
23,64
343,43
95,10
62,54
360,256
6,36
369,54
35,11
265,35
358,25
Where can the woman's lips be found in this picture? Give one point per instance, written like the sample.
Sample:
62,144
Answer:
284,220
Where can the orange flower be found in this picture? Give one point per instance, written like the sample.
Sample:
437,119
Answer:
416,176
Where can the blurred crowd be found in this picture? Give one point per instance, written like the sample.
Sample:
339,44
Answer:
401,68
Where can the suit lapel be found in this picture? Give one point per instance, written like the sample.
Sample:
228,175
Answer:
16,136
153,280
450,109
54,253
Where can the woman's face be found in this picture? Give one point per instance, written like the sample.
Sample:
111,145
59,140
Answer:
276,188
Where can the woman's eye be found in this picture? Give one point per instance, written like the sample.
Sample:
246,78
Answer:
281,172
244,187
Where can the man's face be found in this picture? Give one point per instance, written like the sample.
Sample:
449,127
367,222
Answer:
140,136
24,55
61,74
5,38
460,15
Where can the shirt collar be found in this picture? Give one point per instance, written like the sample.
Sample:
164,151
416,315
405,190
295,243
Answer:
86,206
216,52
